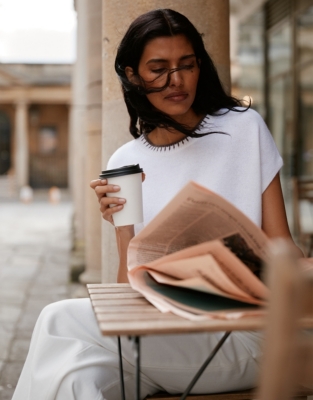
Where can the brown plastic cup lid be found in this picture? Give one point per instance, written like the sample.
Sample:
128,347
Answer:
126,170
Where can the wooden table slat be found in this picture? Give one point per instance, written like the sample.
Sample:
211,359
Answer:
126,296
108,302
180,325
107,285
121,309
147,317
111,290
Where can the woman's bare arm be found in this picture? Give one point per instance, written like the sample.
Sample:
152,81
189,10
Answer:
274,219
124,234
109,206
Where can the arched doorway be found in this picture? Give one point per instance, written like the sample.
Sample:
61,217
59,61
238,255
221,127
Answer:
5,143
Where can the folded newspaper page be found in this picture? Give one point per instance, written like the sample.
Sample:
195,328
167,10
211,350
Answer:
205,280
200,257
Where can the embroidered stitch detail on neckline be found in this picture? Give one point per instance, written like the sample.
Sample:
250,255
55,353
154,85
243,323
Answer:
164,147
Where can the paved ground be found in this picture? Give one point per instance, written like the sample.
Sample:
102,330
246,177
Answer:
35,242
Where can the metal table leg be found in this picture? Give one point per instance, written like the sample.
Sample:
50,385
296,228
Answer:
204,365
121,368
136,342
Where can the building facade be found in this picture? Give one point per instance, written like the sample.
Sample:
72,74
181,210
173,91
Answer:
274,65
34,123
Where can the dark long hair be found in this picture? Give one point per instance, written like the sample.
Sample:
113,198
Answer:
210,95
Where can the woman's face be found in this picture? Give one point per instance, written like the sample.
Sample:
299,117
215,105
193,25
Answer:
160,59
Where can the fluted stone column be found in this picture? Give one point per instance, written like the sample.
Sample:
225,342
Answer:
77,139
211,17
92,272
21,159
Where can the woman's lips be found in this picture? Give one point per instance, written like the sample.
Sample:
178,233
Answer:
177,96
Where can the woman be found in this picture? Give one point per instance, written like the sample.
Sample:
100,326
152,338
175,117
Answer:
185,128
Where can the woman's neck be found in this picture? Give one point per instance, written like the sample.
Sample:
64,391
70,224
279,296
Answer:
163,137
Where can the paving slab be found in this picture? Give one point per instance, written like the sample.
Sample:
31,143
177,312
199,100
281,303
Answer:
5,341
25,326
24,272
48,280
38,291
9,313
10,373
14,284
19,349
29,249
5,257
9,296
6,393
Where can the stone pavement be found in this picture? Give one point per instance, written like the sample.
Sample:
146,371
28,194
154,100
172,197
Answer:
35,244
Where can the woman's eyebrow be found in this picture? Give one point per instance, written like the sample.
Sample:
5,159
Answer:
160,60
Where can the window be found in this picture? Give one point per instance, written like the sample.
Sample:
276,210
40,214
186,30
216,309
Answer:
5,143
305,36
251,60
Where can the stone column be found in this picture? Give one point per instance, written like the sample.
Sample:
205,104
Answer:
21,158
92,272
210,17
77,142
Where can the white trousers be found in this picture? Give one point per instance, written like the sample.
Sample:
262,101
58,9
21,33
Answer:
69,359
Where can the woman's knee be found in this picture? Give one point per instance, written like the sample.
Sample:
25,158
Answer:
65,314
67,307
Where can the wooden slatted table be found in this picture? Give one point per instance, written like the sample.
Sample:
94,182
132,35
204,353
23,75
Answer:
121,311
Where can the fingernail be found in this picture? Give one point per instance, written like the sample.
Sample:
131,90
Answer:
103,181
122,201
119,207
116,187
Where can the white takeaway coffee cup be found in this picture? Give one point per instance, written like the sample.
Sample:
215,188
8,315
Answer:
129,179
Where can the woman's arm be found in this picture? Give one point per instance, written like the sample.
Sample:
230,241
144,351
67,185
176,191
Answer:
274,219
109,206
124,234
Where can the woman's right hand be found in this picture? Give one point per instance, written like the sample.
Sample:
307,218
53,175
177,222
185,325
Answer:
108,205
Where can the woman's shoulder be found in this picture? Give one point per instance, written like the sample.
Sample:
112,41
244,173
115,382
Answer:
246,127
239,114
240,120
122,155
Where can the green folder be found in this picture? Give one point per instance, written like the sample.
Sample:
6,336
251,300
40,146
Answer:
201,301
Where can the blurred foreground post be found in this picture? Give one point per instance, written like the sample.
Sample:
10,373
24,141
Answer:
288,357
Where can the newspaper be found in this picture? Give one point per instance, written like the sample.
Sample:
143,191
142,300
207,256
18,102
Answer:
200,257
